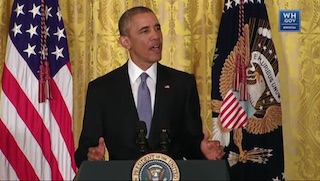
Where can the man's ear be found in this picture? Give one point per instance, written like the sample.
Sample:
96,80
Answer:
125,42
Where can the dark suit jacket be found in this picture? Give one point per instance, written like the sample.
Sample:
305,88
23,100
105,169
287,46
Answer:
110,112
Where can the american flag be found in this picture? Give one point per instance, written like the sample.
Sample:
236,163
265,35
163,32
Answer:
36,139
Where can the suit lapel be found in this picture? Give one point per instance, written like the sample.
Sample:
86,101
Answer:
126,97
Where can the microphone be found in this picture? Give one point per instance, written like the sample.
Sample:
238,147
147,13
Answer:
164,140
141,141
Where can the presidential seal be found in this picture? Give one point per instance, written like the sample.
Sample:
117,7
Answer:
155,166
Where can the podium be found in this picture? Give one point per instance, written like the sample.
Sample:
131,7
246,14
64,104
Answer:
121,170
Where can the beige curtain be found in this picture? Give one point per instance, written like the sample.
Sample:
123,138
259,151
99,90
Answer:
190,29
300,88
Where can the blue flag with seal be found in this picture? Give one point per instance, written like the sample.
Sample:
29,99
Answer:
245,94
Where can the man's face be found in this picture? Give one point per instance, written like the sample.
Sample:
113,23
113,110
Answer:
144,38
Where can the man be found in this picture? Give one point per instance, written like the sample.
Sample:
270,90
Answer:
111,113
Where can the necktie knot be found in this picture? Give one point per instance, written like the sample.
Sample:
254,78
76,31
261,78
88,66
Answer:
143,77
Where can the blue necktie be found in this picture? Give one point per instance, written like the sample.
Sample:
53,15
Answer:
144,102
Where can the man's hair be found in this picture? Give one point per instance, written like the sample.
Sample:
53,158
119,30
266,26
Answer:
125,19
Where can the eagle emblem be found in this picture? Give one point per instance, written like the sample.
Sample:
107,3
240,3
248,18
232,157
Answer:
155,173
262,109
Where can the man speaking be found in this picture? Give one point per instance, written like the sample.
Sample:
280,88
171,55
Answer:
143,90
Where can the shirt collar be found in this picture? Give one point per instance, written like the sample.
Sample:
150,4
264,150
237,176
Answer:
134,71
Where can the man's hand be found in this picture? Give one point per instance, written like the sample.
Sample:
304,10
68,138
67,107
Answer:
211,149
97,153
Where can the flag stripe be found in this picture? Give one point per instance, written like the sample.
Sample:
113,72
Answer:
237,117
6,173
231,117
238,112
242,119
31,118
25,141
227,104
232,114
63,80
16,157
61,111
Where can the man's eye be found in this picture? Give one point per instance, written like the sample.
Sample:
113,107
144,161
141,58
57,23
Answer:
144,31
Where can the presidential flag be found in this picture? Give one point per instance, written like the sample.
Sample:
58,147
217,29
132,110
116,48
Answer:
245,95
36,139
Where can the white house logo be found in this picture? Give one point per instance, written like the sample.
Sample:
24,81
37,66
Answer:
154,167
289,20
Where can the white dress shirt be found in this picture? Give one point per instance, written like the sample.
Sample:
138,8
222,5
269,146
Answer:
134,75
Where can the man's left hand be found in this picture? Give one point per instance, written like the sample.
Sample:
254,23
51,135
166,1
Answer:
211,149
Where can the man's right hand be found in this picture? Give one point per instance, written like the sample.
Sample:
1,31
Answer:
97,153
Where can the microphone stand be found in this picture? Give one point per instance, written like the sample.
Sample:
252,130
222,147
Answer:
164,141
141,140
